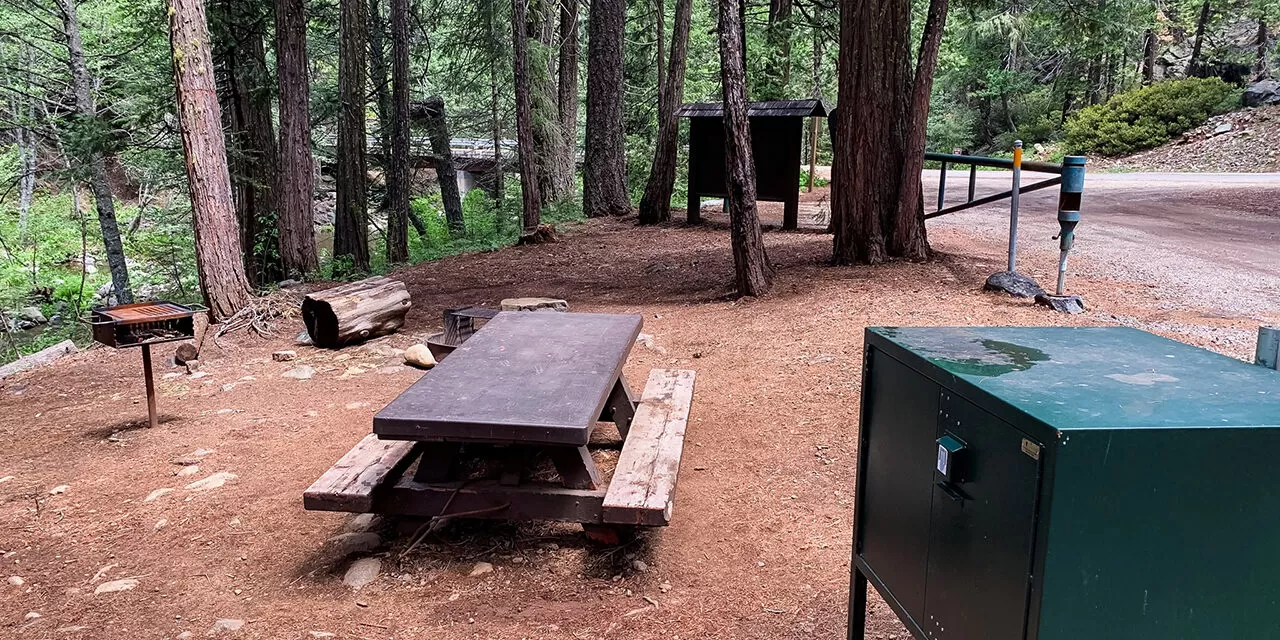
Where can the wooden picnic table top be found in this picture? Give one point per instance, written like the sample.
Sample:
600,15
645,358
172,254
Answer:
525,377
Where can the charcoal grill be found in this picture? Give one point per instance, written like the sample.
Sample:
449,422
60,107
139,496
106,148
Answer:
143,324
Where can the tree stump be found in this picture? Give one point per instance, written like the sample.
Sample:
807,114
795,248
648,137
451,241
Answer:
355,312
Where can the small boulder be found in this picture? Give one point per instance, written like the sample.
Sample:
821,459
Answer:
1222,128
186,352
212,482
1014,284
124,584
301,372
362,572
534,304
480,569
1061,304
284,356
16,581
1261,93
31,314
419,356
353,542
193,365
225,625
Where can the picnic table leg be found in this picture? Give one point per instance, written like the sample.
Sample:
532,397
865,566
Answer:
620,408
577,469
438,463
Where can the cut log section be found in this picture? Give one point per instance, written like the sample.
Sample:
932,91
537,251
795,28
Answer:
355,312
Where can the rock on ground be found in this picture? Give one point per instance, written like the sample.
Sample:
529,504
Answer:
1061,304
301,372
419,356
212,482
284,356
1261,93
480,569
362,572
353,542
157,494
1014,284
225,625
123,584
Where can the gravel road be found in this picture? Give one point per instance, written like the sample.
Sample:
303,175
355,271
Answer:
1205,241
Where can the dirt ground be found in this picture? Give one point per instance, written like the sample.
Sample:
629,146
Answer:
760,541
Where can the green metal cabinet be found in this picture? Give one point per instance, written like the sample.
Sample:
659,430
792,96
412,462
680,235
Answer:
1066,484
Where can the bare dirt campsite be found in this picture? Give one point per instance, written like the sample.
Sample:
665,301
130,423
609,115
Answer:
196,528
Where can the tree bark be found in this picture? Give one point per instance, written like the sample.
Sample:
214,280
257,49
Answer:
660,23
752,271
1193,64
351,221
1260,67
253,155
874,82
218,255
655,206
531,198
82,88
554,177
568,89
379,77
438,132
495,108
1149,46
398,212
909,239
777,71
296,224
604,190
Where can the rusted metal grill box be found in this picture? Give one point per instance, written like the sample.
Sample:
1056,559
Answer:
1066,484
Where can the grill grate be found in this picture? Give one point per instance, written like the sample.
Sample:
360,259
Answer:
142,323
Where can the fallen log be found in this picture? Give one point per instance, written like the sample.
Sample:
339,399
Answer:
355,312
66,347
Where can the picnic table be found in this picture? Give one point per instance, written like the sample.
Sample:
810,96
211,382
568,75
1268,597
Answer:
526,386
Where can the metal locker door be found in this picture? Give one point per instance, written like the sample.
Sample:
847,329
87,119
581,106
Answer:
982,526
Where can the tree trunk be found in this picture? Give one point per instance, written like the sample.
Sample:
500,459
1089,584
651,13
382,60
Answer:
874,82
655,206
1260,67
351,222
604,179
253,156
222,278
355,312
379,77
660,23
1193,64
398,212
438,132
296,224
28,162
548,139
531,198
753,273
495,107
568,89
909,239
777,67
82,88
1149,46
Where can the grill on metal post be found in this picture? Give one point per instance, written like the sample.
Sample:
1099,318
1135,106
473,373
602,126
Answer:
143,324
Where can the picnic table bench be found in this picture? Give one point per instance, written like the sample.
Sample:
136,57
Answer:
526,386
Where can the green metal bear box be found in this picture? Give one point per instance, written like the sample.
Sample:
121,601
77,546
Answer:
1066,484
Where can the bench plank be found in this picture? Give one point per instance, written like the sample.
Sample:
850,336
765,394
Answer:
644,482
349,484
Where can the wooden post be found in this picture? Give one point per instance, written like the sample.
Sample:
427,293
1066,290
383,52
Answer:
151,386
813,150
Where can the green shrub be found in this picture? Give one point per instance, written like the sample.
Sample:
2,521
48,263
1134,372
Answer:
1148,117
